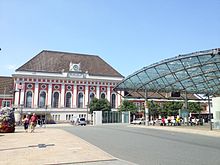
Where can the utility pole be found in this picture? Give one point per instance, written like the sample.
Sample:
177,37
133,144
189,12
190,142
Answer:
210,117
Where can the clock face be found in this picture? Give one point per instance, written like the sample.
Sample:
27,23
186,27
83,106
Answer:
75,67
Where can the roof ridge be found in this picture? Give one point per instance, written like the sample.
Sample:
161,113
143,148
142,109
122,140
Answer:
70,53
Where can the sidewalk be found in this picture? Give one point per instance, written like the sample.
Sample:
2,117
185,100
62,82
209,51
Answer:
201,130
53,146
50,146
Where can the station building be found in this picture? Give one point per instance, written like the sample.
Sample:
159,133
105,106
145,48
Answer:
60,85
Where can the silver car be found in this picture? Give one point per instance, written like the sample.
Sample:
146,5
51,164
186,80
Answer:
81,121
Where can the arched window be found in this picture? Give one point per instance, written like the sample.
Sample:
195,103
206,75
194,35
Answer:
91,97
55,100
103,96
42,99
29,99
68,100
80,100
113,99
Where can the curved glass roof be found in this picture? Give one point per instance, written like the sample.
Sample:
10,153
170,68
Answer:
197,73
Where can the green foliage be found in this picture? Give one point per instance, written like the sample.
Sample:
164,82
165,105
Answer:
194,107
154,108
170,108
99,105
128,106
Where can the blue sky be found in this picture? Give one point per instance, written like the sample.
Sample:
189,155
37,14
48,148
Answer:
128,34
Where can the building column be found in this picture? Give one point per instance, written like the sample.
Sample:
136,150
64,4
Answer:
97,92
86,96
36,91
119,98
22,95
16,95
62,95
108,94
49,94
74,95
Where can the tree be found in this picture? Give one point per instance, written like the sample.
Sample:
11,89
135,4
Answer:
99,105
170,108
194,107
154,109
128,106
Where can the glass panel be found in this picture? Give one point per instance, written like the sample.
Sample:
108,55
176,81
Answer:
162,69
194,71
136,81
113,98
103,96
181,75
91,97
129,84
42,100
143,76
68,100
152,73
190,62
209,67
29,99
170,79
204,59
175,65
55,100
80,100
187,83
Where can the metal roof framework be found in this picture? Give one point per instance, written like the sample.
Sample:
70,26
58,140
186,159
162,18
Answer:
195,73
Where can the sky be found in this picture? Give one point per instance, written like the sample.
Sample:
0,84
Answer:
127,34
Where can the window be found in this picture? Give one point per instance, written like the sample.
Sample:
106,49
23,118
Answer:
113,100
55,102
68,100
103,96
91,97
42,99
6,103
80,100
29,99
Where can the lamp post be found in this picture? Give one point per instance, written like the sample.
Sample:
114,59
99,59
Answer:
210,118
21,113
87,112
45,118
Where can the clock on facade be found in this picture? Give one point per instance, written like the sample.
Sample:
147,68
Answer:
74,67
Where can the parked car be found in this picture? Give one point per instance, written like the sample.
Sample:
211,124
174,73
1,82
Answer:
138,121
81,121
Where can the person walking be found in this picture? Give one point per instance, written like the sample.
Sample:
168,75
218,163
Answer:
33,122
26,122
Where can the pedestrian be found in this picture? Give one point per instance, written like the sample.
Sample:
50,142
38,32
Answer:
26,122
33,122
163,121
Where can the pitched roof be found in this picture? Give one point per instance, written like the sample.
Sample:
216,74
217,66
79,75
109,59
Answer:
6,85
53,61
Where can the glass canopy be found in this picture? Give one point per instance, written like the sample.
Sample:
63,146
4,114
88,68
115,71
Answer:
196,73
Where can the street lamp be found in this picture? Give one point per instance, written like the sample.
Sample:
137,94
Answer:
210,118
45,118
87,112
21,113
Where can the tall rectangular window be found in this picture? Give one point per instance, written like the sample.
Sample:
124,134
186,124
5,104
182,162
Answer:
6,103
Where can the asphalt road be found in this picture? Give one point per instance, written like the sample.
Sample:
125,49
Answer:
151,147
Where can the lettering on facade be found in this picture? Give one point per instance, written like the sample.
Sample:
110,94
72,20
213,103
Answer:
75,75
